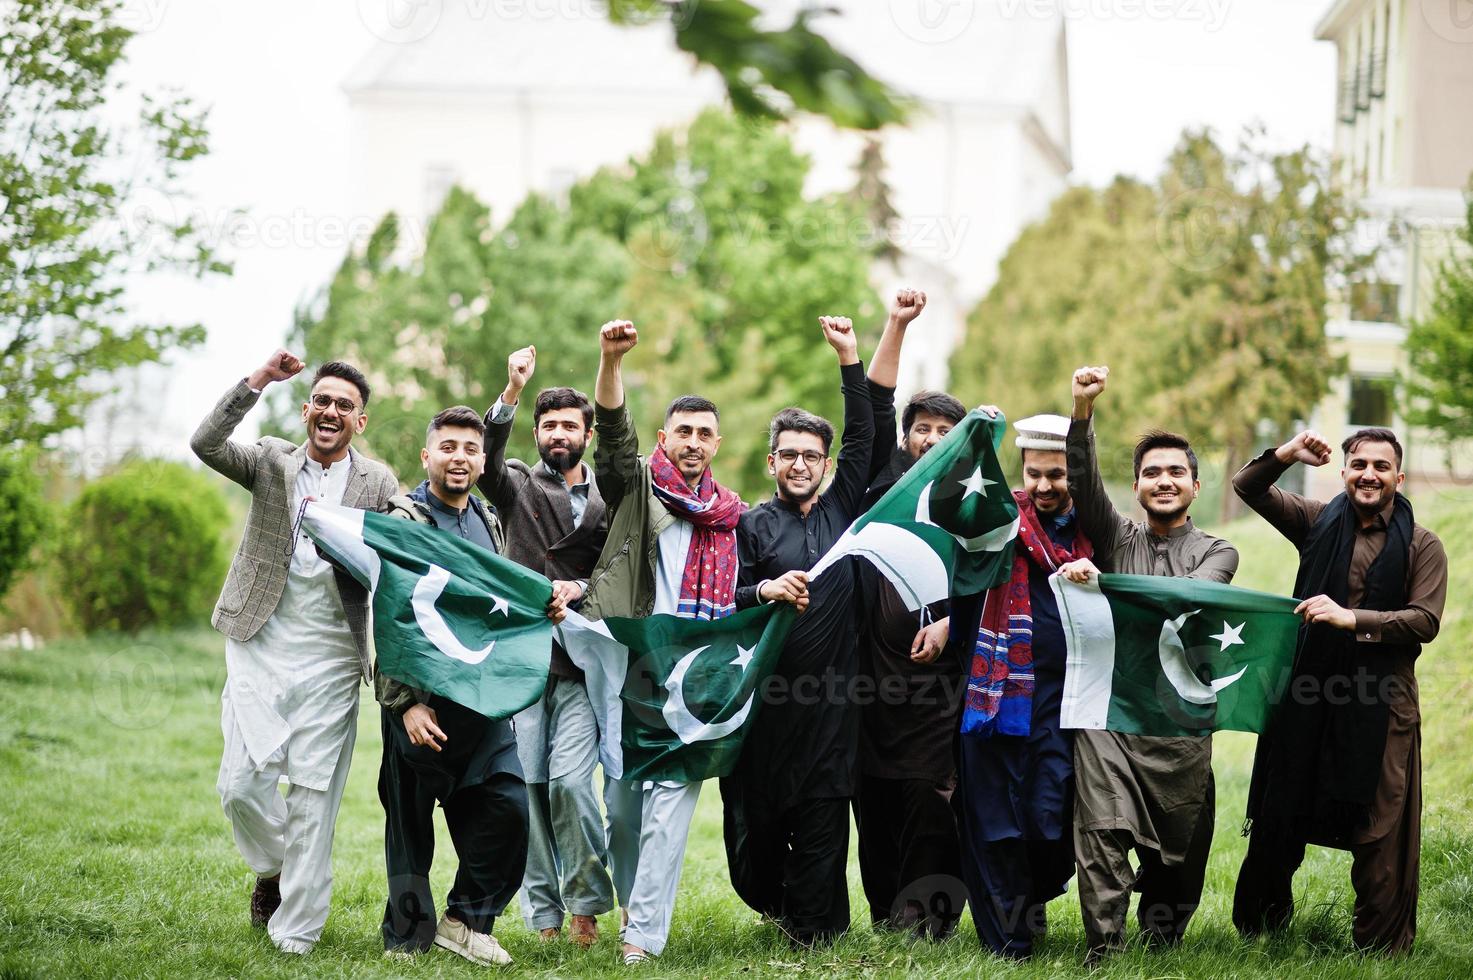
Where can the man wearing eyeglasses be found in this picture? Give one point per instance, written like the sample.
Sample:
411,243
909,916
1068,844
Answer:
296,642
787,803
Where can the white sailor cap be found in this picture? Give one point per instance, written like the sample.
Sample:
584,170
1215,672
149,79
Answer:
1044,432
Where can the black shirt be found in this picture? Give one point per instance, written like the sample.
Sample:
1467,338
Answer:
805,739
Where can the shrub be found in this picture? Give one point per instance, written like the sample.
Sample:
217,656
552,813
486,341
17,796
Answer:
144,546
23,515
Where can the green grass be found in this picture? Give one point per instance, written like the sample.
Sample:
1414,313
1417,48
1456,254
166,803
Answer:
116,860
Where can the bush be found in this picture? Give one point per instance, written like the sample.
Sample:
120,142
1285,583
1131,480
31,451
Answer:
144,546
23,516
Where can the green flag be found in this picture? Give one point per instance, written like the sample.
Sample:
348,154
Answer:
448,616
1152,655
947,527
675,697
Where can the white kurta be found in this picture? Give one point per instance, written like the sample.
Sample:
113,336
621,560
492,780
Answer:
290,709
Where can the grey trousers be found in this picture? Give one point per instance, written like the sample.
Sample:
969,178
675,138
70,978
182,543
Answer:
648,827
567,860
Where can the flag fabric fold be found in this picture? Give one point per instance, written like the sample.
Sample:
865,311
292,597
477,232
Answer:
448,616
1152,655
675,697
947,527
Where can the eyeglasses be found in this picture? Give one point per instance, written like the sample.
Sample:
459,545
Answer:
345,405
811,457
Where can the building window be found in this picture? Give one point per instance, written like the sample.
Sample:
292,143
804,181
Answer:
1372,399
1374,302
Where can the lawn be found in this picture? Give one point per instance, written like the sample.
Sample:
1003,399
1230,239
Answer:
116,860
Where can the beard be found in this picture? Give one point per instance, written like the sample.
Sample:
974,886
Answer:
561,458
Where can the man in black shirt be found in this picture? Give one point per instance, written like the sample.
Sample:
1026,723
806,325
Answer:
787,803
908,850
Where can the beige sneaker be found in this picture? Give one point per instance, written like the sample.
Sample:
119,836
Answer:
478,947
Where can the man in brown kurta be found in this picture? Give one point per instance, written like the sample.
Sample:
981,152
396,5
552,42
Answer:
1300,793
1147,793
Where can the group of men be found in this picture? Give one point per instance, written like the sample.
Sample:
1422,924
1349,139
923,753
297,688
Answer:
998,816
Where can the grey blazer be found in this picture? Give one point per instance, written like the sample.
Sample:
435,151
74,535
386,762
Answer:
268,468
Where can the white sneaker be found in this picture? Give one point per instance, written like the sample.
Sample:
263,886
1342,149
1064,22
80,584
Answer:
478,947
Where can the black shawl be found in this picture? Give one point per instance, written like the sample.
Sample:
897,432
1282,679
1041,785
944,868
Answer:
1318,763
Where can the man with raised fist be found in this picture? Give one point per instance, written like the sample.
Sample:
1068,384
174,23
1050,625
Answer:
1340,764
555,523
787,802
296,643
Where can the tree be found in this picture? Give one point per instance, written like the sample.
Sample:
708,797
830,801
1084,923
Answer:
770,73
1205,292
872,195
706,242
1440,347
75,216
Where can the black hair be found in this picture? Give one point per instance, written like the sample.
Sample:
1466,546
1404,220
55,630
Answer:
1161,439
931,403
551,399
692,403
1352,442
460,417
346,371
797,420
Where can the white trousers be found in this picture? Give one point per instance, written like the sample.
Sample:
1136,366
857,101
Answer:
647,834
289,836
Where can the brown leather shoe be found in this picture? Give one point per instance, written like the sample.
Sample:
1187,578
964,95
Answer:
583,931
549,934
265,900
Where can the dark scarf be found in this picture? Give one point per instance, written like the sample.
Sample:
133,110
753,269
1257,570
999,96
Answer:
708,587
1318,765
1000,685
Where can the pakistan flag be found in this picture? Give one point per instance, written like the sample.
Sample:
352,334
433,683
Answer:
947,527
448,616
1151,655
675,697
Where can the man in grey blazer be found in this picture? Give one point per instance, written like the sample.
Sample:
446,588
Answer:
555,525
296,643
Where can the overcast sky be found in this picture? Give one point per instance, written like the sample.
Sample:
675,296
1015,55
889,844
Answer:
270,71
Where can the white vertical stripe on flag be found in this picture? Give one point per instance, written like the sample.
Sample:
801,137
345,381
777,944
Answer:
1089,635
604,662
339,531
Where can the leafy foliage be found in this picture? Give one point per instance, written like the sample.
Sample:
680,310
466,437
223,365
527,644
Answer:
1440,347
770,73
144,546
706,243
1204,292
83,207
24,518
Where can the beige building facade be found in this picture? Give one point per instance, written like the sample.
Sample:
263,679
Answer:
1404,147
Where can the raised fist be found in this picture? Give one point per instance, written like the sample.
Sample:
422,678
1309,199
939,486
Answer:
1308,447
908,305
1089,382
519,368
839,332
616,338
281,366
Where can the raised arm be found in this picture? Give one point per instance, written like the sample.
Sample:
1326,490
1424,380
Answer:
498,483
1289,513
616,456
211,442
852,473
1098,518
884,373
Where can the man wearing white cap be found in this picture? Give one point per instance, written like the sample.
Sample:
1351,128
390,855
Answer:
1016,792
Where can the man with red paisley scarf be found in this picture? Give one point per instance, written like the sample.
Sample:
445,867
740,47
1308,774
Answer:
1015,796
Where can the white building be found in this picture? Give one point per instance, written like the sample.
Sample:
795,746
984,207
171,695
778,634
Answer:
509,98
1404,145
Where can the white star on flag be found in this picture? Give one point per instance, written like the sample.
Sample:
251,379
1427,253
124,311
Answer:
1230,635
744,657
499,604
976,483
